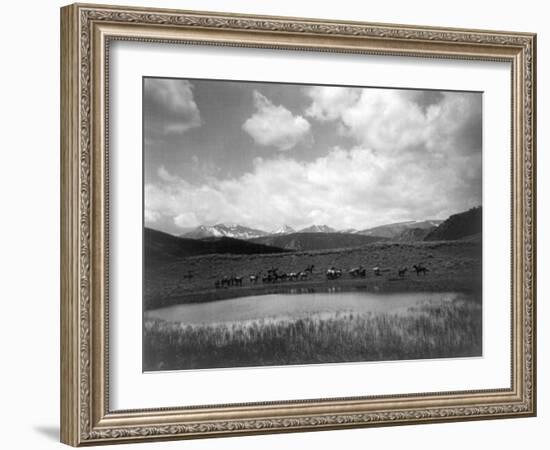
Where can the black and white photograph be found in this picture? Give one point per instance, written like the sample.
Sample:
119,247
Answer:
295,224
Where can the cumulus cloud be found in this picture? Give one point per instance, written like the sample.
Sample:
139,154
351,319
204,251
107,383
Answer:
186,220
169,107
164,175
354,188
151,217
329,103
396,121
276,126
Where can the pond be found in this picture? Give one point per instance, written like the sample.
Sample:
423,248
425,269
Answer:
284,306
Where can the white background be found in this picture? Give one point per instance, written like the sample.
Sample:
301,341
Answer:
29,229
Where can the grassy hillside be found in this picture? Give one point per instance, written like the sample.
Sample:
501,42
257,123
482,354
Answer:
414,234
396,230
452,265
458,226
160,247
316,241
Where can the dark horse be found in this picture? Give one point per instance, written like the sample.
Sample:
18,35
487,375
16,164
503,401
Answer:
420,268
272,275
401,272
358,272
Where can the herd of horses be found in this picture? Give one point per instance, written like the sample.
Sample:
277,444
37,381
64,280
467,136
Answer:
274,275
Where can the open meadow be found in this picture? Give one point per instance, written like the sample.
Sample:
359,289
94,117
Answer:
434,327
452,266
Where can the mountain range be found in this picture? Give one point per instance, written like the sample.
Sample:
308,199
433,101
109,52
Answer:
161,247
411,230
237,239
455,227
224,230
316,240
241,232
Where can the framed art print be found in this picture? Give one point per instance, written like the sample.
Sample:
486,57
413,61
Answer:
275,224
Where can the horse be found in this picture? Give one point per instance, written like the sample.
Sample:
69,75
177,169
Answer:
237,281
376,271
358,272
303,275
401,272
255,277
271,275
420,268
333,273
292,276
282,276
309,269
225,281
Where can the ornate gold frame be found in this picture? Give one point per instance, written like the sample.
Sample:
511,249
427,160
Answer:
86,31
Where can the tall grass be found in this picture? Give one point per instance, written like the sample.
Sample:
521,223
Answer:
442,330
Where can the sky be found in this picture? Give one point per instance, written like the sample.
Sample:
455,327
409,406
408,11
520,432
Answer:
265,155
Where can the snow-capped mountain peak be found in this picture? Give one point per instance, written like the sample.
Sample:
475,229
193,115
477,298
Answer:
284,229
318,229
231,230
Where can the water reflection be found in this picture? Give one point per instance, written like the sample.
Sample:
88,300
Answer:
296,303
